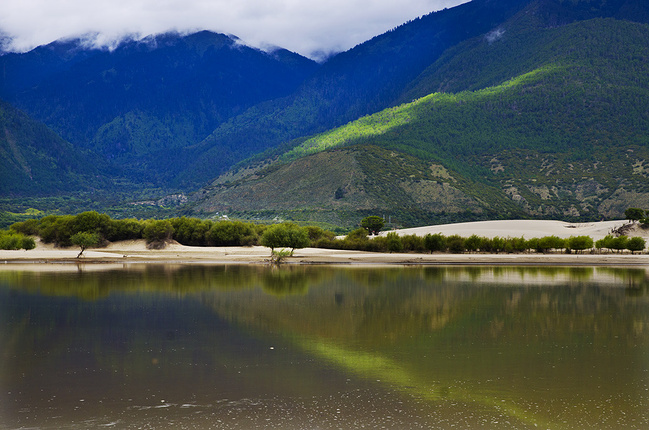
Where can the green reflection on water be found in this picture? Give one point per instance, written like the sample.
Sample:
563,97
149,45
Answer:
543,345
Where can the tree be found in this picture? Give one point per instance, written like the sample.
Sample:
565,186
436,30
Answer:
619,243
634,214
373,224
85,240
435,242
635,244
579,243
394,242
285,235
157,233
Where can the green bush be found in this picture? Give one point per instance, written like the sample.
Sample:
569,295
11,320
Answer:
413,243
635,244
435,242
124,229
285,235
232,233
157,232
85,240
394,243
579,243
548,243
455,244
13,240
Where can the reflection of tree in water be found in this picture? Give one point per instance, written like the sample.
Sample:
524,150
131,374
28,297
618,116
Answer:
284,281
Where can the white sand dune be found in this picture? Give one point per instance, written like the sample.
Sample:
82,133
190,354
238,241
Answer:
517,228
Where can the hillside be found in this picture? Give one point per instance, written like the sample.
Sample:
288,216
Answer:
566,138
370,77
34,160
339,186
142,101
491,109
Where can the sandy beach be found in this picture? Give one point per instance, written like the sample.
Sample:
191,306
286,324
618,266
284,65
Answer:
137,252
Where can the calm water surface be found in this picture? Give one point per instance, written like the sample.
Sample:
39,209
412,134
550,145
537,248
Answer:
239,347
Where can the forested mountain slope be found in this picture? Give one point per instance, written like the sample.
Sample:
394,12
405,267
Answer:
363,80
144,99
567,136
34,160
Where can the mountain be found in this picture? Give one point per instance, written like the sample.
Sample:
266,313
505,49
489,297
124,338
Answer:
138,103
542,116
36,160
492,109
363,80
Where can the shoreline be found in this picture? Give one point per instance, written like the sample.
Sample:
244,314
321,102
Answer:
136,253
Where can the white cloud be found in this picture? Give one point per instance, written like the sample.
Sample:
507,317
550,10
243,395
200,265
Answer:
304,26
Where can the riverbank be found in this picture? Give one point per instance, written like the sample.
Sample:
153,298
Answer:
136,252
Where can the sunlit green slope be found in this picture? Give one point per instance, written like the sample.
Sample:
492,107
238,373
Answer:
567,136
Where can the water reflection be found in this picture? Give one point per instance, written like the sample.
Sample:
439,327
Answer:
307,347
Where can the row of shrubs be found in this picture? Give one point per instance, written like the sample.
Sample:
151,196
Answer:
10,239
392,242
60,230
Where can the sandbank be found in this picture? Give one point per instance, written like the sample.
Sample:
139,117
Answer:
128,252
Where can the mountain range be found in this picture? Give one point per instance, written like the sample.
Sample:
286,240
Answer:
491,109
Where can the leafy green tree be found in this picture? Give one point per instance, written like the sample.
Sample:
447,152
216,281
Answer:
579,243
85,240
634,214
13,240
157,233
435,242
455,244
605,242
285,235
394,242
635,244
231,233
473,243
373,224
547,243
619,243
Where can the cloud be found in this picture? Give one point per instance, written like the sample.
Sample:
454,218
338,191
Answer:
304,26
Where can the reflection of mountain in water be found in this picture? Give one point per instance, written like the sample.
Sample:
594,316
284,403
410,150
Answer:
434,333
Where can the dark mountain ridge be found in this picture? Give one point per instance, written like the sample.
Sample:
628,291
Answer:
544,120
514,108
146,96
363,80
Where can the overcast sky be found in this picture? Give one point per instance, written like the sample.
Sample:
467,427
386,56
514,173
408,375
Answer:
304,26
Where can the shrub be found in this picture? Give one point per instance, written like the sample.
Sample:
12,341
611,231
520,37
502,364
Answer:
85,240
635,244
157,232
124,229
619,243
13,240
285,235
393,241
455,244
231,233
316,233
435,242
373,224
474,243
547,243
413,243
579,243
